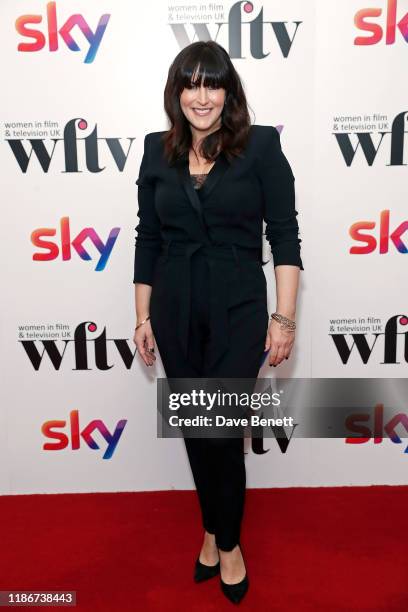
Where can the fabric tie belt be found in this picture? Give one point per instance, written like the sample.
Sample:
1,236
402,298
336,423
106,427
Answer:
218,298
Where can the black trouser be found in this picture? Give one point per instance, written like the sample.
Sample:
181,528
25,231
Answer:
217,464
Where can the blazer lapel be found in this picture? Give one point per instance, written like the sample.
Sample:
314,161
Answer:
217,171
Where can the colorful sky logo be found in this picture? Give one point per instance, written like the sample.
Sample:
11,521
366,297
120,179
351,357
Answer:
376,30
74,435
374,427
361,231
64,32
52,250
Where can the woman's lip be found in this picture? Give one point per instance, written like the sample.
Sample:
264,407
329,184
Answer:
202,112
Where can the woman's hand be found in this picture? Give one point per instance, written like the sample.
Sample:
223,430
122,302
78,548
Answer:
144,340
279,341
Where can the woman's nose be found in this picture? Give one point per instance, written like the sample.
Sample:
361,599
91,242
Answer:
203,95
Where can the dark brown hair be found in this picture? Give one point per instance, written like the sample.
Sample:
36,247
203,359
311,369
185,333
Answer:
209,61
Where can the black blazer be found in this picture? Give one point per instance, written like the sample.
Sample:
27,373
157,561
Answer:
236,197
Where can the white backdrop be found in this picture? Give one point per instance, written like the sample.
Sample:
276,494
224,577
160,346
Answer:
73,124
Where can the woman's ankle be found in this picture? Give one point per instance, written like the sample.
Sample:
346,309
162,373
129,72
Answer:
209,551
228,549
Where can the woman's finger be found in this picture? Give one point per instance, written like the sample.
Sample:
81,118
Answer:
273,352
147,354
280,355
141,347
150,349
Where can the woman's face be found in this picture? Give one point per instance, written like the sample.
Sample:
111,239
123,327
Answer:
202,106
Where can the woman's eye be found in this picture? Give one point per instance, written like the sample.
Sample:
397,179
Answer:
194,86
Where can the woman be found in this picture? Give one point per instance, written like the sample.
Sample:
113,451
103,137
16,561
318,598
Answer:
204,188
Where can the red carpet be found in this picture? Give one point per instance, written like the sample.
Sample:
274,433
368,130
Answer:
323,549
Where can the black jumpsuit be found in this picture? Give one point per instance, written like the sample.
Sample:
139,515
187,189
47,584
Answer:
208,304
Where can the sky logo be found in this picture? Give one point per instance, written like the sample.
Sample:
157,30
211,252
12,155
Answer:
361,232
377,32
51,249
75,435
39,42
376,429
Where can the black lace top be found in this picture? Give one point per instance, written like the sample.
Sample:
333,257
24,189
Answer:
198,180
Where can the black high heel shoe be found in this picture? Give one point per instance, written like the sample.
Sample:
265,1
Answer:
235,592
205,572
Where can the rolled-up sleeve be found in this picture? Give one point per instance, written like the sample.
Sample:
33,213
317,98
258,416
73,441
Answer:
278,185
148,238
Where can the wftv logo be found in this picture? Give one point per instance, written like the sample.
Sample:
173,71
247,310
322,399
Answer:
52,250
235,32
365,349
77,348
93,38
369,149
70,144
376,30
49,429
354,424
283,440
371,243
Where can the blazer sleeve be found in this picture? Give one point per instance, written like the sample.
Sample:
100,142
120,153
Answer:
278,185
148,238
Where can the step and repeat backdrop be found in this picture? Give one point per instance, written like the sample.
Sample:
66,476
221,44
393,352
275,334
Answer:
83,83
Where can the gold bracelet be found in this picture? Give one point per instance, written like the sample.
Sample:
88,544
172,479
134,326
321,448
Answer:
141,323
285,323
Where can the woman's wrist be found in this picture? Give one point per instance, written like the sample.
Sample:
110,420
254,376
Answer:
286,312
141,315
285,323
140,322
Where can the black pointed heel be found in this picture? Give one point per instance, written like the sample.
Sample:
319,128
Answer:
235,592
205,572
